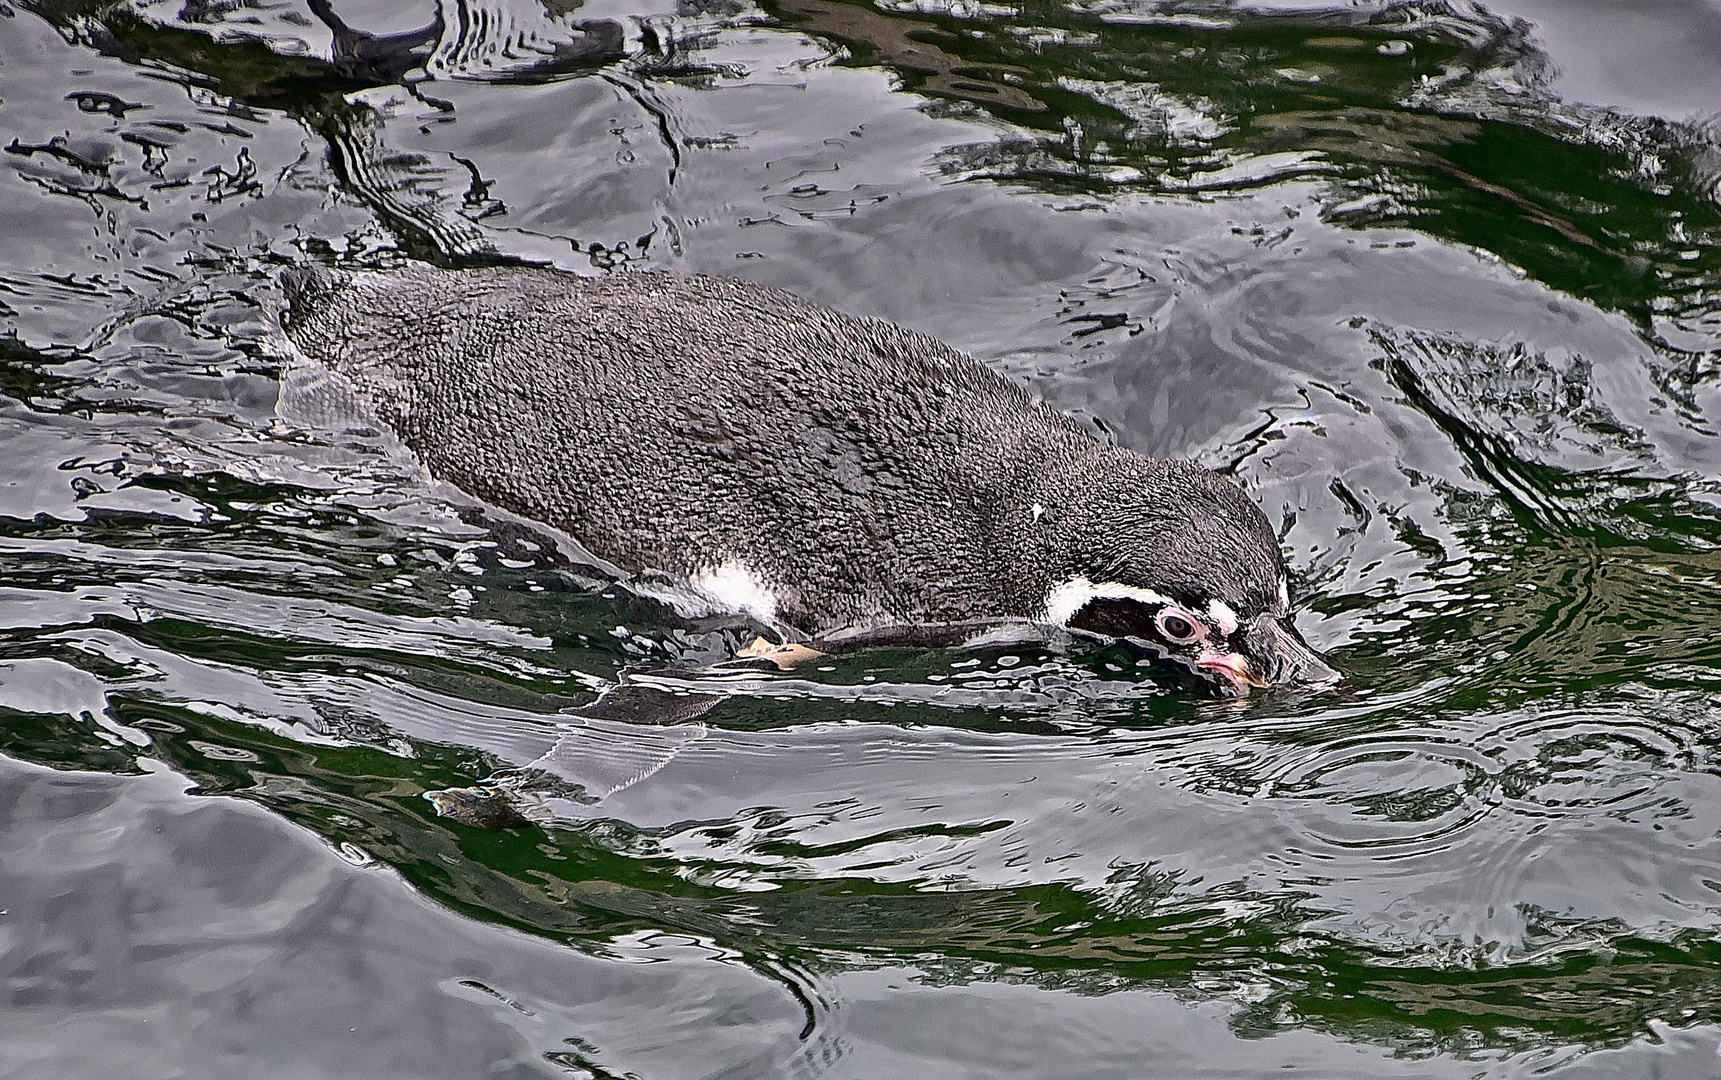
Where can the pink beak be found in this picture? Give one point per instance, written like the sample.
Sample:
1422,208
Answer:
1232,667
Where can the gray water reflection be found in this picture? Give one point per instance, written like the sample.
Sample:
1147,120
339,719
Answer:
1456,333
171,934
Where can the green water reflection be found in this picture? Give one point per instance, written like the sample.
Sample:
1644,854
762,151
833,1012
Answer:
1565,590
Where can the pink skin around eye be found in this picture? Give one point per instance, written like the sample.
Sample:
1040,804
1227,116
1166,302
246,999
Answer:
1214,658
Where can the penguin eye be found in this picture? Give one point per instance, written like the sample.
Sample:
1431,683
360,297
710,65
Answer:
1177,627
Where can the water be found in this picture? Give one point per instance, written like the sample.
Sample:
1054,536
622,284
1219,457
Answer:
1441,284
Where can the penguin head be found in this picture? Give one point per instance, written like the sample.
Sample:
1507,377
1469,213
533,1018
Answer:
1178,558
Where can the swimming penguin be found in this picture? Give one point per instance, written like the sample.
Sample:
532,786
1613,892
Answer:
834,477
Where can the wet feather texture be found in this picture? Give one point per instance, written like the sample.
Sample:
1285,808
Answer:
861,473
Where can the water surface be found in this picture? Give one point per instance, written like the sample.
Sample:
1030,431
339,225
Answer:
1440,284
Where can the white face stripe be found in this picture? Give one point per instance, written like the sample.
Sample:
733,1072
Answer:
735,587
1284,595
1064,600
1223,617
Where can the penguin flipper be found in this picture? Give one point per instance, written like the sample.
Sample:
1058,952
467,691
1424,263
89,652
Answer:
930,635
628,733
601,757
590,760
637,703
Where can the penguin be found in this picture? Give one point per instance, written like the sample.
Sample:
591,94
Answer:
842,480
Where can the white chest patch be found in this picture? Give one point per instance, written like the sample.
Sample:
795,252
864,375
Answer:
1064,600
736,588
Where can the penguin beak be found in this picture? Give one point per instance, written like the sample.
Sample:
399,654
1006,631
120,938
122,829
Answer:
1272,655
1230,669
1278,657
